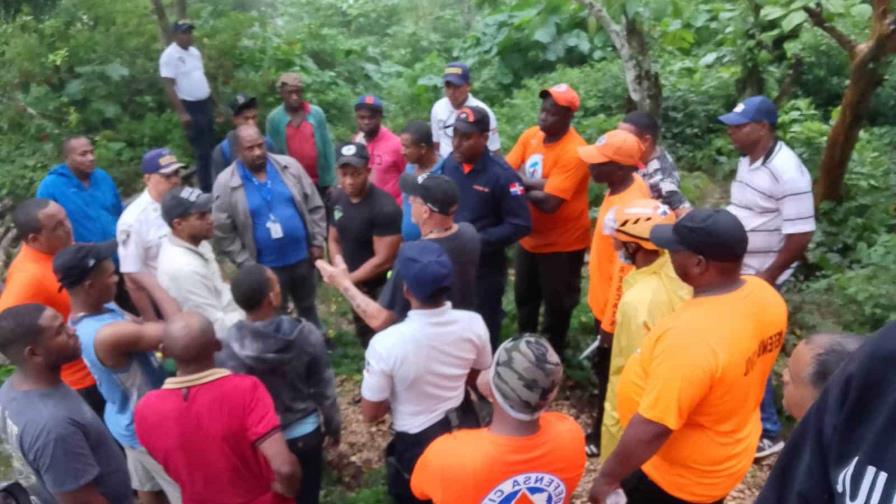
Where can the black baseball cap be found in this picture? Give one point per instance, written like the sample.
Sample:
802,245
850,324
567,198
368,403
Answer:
182,201
242,102
72,265
183,26
472,120
438,192
716,234
354,154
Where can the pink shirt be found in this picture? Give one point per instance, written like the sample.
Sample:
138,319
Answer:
386,161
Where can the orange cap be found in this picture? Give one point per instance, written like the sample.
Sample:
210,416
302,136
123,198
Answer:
563,95
615,146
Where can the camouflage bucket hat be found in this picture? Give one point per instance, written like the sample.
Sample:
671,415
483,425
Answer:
524,374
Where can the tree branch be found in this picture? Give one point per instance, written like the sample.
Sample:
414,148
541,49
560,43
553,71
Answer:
817,17
162,19
596,9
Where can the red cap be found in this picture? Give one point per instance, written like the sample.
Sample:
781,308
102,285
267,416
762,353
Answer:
616,146
563,95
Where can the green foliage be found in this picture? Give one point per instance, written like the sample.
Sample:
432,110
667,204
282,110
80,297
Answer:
852,255
599,84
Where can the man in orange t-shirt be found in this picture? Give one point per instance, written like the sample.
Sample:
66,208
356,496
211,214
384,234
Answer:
613,160
44,228
524,453
548,262
689,397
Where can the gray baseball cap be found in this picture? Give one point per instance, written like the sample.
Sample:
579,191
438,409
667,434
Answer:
525,373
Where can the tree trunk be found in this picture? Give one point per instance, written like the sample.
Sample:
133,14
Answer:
180,7
867,68
641,78
162,19
863,82
646,76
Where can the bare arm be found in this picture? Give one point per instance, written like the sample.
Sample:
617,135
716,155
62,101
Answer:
472,377
337,275
116,341
794,247
334,245
150,286
139,297
535,193
640,441
547,203
87,494
374,411
178,107
385,248
284,465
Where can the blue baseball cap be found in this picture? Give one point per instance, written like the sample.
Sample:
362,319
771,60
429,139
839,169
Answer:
457,73
160,161
755,109
425,269
370,102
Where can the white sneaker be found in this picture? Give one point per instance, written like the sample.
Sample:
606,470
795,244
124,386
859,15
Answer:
768,446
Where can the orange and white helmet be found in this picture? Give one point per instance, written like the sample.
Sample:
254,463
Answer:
632,221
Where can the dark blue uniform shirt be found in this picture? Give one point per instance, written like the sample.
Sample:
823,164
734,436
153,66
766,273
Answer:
493,200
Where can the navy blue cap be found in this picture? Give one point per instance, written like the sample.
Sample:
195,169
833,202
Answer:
457,73
715,234
425,269
370,102
755,109
183,26
160,161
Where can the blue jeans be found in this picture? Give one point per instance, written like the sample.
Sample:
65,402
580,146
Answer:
771,425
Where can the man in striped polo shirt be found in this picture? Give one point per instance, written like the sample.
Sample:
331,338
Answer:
772,196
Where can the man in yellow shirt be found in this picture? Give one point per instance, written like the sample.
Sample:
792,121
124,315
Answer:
613,160
689,396
649,293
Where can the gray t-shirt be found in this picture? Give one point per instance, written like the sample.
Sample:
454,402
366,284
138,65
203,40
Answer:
58,444
462,247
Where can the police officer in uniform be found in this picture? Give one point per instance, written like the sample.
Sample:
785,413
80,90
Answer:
492,199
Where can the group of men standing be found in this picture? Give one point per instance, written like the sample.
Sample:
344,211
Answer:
416,227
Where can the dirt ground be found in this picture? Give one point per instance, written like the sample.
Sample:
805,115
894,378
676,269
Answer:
362,447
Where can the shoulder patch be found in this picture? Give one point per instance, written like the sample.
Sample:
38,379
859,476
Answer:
516,189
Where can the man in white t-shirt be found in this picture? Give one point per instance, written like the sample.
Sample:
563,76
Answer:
140,232
772,197
418,369
187,88
444,111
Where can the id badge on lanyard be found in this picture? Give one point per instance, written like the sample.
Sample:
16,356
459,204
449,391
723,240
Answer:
274,227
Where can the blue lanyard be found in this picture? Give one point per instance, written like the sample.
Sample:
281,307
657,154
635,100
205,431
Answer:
265,189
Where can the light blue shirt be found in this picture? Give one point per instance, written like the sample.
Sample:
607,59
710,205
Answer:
409,230
121,387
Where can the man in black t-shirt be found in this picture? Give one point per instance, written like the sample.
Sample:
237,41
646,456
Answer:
365,227
433,199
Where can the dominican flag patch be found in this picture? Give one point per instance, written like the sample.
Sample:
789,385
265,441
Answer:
517,189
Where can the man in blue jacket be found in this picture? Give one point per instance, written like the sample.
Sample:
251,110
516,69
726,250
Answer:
492,199
86,192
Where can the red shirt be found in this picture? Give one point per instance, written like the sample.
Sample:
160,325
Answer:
301,146
203,429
